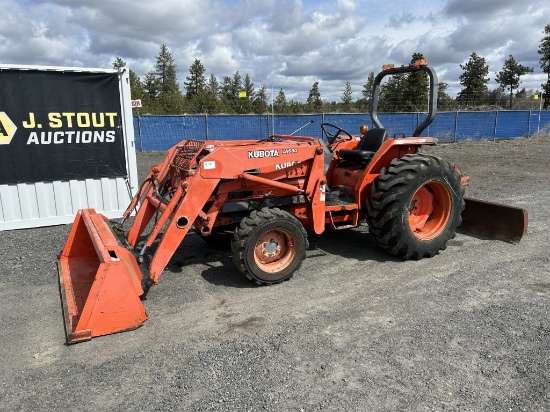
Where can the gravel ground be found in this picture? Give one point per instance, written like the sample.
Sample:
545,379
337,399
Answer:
355,329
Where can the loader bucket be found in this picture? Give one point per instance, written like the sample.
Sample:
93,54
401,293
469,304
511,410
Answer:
494,220
99,280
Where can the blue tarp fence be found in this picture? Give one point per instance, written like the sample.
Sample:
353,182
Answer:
159,133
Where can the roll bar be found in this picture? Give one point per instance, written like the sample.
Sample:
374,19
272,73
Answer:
389,69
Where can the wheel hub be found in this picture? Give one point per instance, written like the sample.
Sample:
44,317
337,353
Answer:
429,210
420,209
274,250
271,248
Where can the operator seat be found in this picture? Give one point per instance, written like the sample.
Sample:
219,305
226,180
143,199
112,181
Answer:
367,147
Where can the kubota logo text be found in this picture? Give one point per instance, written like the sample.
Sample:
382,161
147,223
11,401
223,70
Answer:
254,154
287,164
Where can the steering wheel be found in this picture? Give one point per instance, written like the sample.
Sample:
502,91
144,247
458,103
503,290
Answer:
332,137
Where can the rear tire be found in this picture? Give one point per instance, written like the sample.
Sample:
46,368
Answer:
415,206
269,246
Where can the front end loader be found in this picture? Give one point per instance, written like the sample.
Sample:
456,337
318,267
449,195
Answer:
269,194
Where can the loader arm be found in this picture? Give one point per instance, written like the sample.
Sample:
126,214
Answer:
180,214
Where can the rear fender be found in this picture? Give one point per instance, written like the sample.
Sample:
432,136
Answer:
390,149
396,148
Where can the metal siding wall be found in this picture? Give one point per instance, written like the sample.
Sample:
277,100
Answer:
53,203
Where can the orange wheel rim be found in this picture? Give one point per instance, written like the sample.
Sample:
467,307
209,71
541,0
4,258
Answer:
430,210
274,250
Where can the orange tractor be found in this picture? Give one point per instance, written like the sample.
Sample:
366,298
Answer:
269,194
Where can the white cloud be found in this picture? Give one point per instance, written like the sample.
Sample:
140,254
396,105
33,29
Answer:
283,43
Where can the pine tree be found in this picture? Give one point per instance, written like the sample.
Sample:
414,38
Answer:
197,96
229,93
347,98
119,64
248,87
295,107
150,94
444,101
246,102
211,102
196,81
392,94
364,104
169,94
280,105
236,88
544,51
227,97
136,88
314,104
473,80
260,100
407,92
509,76
213,85
496,98
416,84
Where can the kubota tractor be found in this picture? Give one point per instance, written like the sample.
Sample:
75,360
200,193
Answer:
269,194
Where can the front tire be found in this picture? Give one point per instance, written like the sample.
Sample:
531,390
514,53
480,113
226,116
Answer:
269,246
415,206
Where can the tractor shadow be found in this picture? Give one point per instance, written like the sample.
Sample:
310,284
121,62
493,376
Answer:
354,243
227,275
216,257
220,269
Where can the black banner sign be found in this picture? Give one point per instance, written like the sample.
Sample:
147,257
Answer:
59,126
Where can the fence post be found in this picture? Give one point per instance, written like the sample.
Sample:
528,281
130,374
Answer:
456,127
139,133
529,124
206,125
495,128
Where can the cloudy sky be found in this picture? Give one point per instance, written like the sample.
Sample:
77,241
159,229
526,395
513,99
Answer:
286,44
